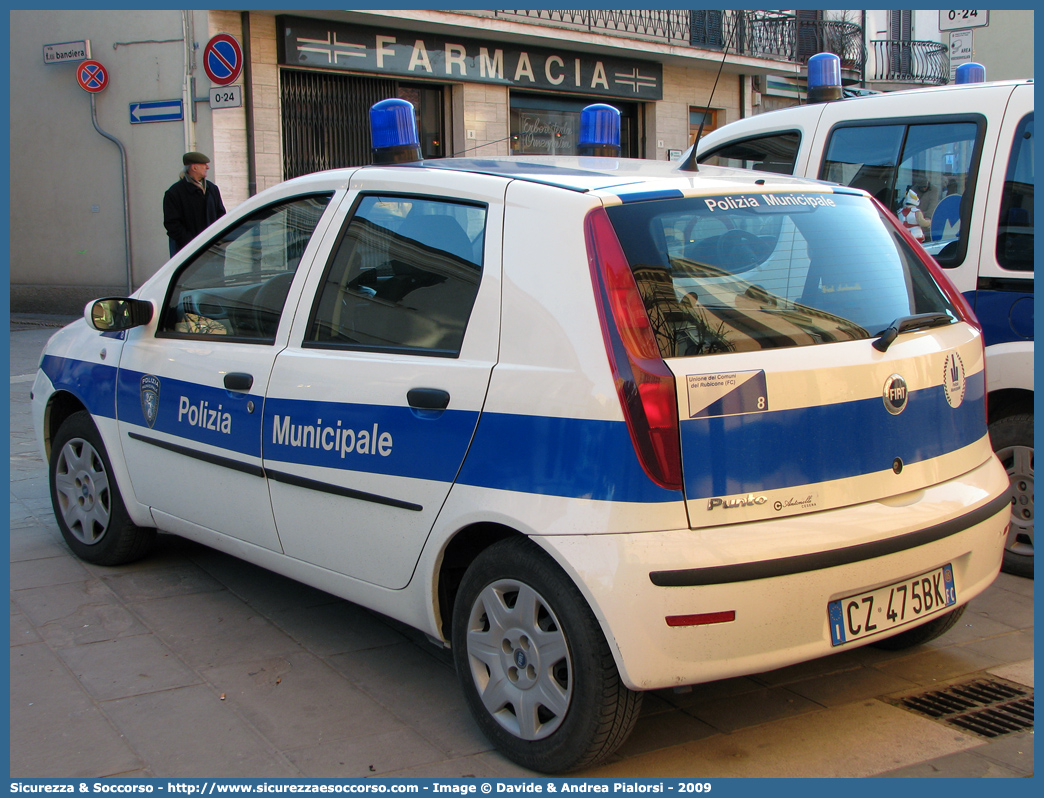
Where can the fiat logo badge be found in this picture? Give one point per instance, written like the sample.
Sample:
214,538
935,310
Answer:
895,394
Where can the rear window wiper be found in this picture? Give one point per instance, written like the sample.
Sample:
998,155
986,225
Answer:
920,321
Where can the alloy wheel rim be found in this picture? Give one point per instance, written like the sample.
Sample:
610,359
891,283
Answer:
82,489
519,659
1018,462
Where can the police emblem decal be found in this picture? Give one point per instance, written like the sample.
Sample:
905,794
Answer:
954,384
150,393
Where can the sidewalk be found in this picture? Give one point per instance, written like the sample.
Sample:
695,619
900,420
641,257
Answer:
194,664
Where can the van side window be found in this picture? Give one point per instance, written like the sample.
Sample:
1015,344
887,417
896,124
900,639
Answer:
866,158
775,153
935,161
1015,227
403,278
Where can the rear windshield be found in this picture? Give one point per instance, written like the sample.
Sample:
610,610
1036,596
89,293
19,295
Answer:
744,272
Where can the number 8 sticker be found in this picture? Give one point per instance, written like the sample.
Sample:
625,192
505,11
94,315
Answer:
727,394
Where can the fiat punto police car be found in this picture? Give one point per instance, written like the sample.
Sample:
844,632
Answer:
600,425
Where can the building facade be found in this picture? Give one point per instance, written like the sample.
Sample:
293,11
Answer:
88,170
923,48
89,173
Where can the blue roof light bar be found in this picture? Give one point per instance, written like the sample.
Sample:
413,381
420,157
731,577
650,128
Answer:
970,73
599,131
824,78
393,132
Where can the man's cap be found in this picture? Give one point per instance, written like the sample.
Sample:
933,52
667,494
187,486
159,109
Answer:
194,157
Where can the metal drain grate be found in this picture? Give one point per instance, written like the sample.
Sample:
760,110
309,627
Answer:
986,707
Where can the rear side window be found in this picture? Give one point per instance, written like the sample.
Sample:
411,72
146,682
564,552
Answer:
1015,229
403,278
775,153
759,271
934,163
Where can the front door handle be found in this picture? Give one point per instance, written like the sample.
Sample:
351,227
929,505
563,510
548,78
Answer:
428,399
237,381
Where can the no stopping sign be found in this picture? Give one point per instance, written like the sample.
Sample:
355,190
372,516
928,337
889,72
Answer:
92,76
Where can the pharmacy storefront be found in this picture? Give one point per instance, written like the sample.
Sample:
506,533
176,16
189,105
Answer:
472,96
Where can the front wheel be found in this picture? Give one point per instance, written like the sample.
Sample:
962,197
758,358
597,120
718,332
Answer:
536,671
87,503
1012,439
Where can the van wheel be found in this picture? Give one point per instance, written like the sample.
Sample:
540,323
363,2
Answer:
924,633
87,503
1012,439
536,671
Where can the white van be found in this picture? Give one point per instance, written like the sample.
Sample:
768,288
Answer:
965,154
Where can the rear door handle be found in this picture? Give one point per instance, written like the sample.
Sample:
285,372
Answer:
428,399
237,381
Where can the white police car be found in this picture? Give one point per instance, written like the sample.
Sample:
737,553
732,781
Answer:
601,425
964,155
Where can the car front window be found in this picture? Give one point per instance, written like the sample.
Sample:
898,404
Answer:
236,287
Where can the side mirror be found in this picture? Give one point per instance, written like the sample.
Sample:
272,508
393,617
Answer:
114,314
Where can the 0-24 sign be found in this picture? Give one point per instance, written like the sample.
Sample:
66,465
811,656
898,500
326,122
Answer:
226,97
959,20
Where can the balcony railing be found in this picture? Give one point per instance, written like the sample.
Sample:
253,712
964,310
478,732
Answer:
671,27
789,39
923,63
758,34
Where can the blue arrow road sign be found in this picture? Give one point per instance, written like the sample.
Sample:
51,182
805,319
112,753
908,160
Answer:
157,111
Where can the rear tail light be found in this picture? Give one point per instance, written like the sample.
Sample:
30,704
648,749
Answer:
643,382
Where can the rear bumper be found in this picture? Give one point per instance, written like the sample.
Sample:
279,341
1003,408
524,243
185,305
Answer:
778,577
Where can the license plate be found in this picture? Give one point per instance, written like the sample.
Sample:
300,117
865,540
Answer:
867,614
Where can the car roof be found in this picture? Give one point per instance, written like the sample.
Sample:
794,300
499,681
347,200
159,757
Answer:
627,178
619,176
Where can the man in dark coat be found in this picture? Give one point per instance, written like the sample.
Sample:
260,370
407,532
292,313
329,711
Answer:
192,203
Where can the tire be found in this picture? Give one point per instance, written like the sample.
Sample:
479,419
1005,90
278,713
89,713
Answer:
86,500
936,627
536,671
1012,438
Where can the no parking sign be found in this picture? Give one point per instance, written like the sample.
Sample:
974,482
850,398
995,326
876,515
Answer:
223,59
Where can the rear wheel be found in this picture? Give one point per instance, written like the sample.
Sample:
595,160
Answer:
1012,439
924,633
535,669
87,503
